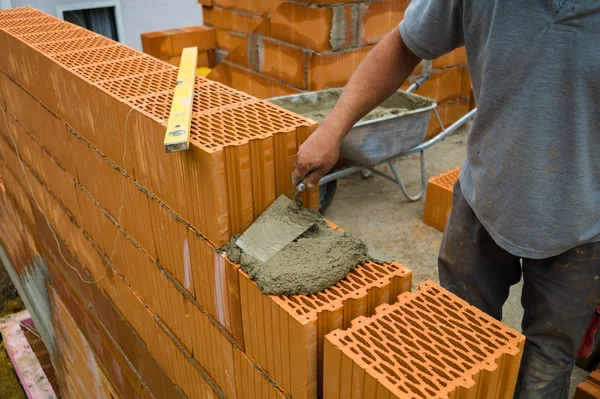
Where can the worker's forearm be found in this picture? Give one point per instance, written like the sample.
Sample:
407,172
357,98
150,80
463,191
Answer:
380,74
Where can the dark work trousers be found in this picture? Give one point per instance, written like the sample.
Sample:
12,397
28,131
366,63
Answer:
559,296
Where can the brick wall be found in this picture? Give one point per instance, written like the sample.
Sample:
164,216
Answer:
312,45
167,45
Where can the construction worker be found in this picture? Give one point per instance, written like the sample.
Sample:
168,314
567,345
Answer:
527,203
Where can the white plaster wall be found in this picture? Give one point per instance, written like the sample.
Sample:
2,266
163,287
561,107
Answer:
138,16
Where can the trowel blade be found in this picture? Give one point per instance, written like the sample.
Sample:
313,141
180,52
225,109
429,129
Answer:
272,231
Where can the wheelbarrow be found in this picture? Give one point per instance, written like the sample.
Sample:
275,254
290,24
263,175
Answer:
387,134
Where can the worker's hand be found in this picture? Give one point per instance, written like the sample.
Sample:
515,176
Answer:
317,156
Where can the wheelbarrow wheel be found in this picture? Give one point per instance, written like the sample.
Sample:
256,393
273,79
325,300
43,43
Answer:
326,194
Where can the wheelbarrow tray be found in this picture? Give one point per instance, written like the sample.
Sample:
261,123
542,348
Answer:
399,124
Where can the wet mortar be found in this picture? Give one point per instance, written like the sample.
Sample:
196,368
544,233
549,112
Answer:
316,260
319,105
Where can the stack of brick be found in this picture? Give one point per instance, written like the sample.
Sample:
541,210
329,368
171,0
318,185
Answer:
430,344
438,199
126,234
235,20
168,45
311,45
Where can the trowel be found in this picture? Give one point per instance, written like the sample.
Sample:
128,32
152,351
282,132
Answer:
274,229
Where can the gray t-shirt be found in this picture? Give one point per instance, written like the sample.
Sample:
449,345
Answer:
532,174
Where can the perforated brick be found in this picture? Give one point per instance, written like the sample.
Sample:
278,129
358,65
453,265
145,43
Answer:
363,276
123,68
208,96
284,334
56,36
95,56
141,85
252,121
19,13
217,109
86,43
41,353
447,179
438,200
50,26
431,344
250,382
34,21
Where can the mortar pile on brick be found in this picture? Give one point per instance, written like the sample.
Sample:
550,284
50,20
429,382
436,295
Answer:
438,199
313,45
430,344
284,334
168,45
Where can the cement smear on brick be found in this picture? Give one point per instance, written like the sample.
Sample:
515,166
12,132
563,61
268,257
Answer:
317,106
318,259
337,35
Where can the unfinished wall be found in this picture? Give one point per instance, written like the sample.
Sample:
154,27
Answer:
116,227
312,45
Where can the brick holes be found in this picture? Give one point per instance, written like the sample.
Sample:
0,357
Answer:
58,36
94,56
38,28
74,45
141,85
119,69
11,23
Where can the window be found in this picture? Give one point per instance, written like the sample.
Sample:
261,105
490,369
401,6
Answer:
102,17
99,20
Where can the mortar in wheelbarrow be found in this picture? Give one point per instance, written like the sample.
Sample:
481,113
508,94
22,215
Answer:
398,124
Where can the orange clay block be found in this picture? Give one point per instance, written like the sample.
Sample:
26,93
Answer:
251,382
430,344
438,200
242,150
284,334
590,388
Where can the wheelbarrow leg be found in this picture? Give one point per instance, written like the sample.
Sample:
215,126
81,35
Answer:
419,195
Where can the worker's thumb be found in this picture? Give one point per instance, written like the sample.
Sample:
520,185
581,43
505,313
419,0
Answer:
312,180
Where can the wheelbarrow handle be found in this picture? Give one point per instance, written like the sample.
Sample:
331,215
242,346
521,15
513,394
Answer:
418,83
